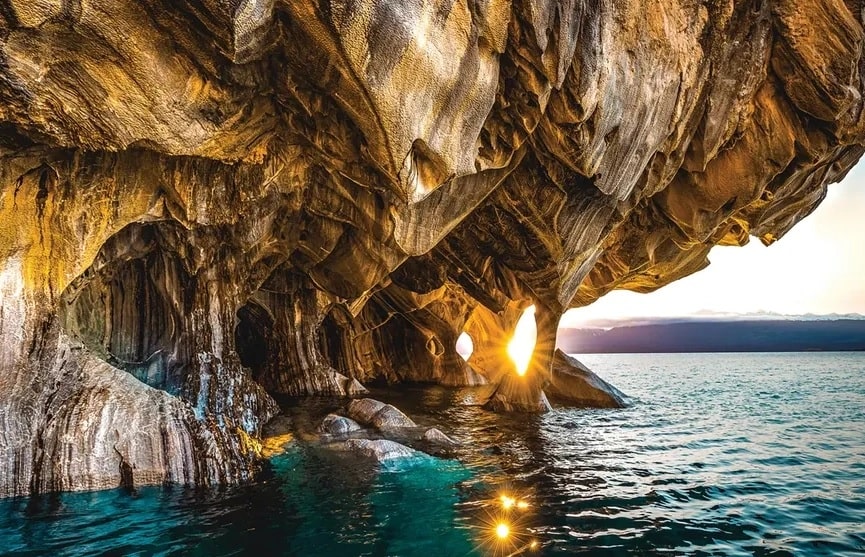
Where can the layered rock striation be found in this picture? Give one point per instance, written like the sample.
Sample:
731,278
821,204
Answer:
208,203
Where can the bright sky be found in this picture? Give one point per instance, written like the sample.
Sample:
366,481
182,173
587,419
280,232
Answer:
817,267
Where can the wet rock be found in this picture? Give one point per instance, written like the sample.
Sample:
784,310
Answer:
378,449
434,437
349,386
377,414
394,425
515,400
334,424
275,445
391,417
466,376
363,410
576,385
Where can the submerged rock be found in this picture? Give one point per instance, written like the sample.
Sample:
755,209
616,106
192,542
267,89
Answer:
500,402
389,422
574,384
391,417
275,445
363,410
437,440
378,449
334,424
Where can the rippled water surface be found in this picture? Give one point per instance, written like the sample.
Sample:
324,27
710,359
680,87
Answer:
720,454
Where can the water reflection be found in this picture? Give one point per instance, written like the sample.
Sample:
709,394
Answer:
506,526
714,458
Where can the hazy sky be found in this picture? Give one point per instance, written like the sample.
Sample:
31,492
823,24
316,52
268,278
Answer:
818,267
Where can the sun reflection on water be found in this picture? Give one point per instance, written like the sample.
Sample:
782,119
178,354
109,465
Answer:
502,530
506,526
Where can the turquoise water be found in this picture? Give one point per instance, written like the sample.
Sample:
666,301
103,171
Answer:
721,454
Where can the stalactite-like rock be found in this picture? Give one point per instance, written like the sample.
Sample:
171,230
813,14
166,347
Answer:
206,203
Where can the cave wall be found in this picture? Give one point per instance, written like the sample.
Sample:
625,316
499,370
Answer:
205,204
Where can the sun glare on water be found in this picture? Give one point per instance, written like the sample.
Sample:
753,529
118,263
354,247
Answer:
522,345
502,530
507,527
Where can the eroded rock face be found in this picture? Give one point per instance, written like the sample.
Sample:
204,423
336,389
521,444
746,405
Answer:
202,204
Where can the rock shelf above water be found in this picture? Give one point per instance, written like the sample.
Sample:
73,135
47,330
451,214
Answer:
207,205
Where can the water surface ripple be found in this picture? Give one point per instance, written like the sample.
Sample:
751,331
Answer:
720,454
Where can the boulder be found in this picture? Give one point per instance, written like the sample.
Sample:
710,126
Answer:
348,386
371,412
574,384
364,409
378,449
434,436
335,424
391,417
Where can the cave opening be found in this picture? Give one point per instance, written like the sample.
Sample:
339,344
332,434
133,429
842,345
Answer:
335,341
253,338
128,307
465,346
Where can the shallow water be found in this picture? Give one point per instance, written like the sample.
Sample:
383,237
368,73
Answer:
720,454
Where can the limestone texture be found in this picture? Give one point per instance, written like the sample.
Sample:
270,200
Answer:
385,423
207,204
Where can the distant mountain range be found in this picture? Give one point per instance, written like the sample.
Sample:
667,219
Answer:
719,333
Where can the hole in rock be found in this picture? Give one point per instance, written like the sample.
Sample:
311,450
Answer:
465,346
252,337
522,344
435,346
335,351
729,205
128,307
425,170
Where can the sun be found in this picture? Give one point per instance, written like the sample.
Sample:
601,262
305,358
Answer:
522,345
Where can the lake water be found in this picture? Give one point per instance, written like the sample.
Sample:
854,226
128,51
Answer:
720,454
